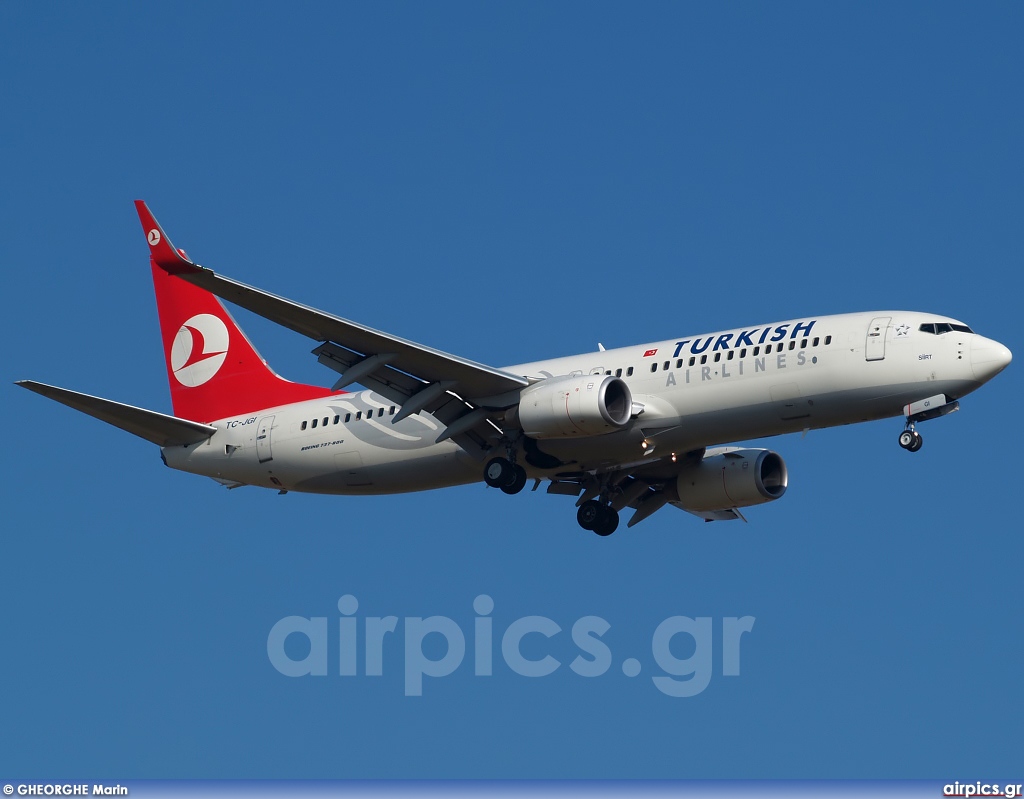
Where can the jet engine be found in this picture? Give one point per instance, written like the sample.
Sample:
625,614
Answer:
733,478
579,405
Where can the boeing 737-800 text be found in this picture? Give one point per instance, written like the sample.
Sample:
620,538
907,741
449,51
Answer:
636,427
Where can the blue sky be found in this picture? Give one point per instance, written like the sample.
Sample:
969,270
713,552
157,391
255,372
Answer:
508,182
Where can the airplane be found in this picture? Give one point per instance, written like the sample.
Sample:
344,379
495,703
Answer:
636,427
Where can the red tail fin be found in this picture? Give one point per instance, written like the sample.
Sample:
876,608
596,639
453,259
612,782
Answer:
213,370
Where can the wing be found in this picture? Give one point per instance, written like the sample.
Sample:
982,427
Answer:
645,485
460,393
159,428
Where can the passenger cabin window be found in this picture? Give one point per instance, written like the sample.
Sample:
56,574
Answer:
828,340
391,411
303,425
731,355
348,418
703,359
718,357
743,352
337,418
815,344
693,360
314,423
618,373
757,351
792,344
359,415
325,421
654,367
629,372
380,412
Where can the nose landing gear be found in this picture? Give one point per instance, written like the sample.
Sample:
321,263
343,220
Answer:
922,411
911,440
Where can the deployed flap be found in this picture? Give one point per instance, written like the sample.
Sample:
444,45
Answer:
159,428
729,514
430,365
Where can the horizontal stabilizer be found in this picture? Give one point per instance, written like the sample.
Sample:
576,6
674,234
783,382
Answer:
161,429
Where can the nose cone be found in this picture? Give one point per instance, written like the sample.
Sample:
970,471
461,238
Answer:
988,358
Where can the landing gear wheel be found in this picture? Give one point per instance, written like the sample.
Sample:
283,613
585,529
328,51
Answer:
518,481
911,440
499,472
607,522
589,514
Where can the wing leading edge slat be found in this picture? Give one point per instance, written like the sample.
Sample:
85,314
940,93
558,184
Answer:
394,367
474,379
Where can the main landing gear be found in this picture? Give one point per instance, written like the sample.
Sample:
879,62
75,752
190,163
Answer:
910,439
502,473
601,519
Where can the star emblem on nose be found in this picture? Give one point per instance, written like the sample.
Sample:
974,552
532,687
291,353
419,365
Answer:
902,330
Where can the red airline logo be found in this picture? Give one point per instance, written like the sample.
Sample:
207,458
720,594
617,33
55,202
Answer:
649,353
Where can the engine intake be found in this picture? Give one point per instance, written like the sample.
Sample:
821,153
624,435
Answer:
736,478
580,405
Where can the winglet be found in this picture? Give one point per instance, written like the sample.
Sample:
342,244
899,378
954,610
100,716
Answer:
162,252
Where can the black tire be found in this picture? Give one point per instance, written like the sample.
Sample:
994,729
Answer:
607,522
918,443
499,472
907,438
589,514
518,483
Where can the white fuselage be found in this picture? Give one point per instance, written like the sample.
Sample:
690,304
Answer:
696,392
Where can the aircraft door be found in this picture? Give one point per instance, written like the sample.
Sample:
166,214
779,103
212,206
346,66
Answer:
266,424
874,349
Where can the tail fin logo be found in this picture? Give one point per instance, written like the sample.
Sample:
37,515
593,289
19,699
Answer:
153,237
199,349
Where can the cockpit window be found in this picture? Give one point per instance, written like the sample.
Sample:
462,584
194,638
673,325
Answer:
943,327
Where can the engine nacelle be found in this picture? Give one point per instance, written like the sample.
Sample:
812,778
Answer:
580,405
734,478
